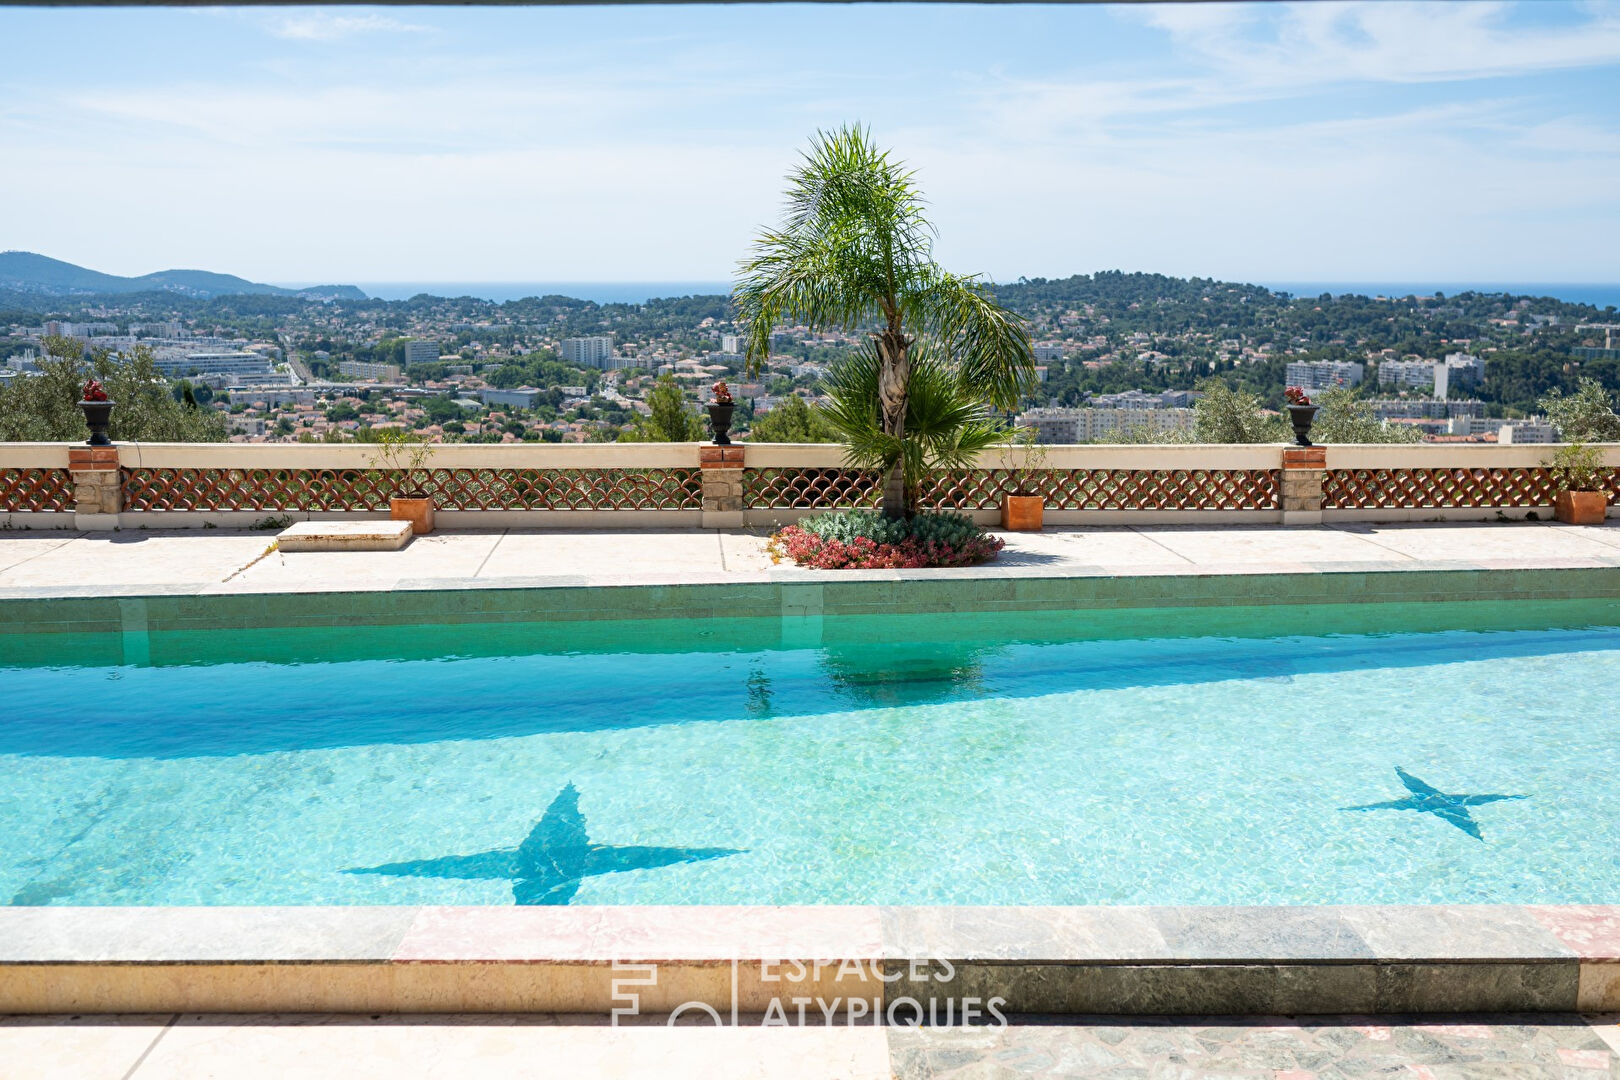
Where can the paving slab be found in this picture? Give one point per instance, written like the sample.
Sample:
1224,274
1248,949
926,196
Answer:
474,1048
439,555
1473,541
180,556
75,1047
643,552
1248,543
19,548
345,536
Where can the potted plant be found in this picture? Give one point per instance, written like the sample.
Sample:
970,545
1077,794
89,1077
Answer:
1578,474
404,456
97,408
720,413
1023,509
1301,413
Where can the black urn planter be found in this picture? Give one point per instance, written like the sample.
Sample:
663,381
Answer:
1302,416
97,415
720,420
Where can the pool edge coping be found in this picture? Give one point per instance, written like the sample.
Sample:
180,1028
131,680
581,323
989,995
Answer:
1065,959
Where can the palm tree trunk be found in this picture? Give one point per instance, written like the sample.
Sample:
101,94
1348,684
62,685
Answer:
894,379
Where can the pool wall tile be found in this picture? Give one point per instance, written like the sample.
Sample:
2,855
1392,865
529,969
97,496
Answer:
822,595
1478,986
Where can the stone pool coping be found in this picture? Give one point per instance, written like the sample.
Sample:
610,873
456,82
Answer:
1073,960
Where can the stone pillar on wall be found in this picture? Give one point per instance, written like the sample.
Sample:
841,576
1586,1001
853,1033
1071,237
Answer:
1302,473
97,486
722,486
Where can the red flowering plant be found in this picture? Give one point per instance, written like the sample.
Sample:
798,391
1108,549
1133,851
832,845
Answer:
722,393
1296,396
94,391
863,540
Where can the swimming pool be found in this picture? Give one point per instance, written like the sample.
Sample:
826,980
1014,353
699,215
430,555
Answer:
1352,753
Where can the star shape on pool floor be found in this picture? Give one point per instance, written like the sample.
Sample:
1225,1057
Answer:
550,864
1431,800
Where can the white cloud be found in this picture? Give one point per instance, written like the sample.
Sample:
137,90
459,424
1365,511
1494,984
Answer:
326,26
1384,41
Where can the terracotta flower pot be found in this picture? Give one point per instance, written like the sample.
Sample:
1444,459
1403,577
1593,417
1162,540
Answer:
1022,513
416,509
1581,507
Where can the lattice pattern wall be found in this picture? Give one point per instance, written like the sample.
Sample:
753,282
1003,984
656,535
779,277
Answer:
811,489
1064,489
452,489
1110,489
36,491
1457,488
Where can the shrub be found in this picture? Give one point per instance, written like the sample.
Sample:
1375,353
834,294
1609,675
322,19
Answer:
1577,467
865,540
1584,416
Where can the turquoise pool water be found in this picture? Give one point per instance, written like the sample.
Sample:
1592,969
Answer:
1338,754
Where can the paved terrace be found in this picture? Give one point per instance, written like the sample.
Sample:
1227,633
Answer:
131,562
269,1047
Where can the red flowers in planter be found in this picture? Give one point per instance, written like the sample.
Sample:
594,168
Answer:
862,553
1296,396
94,391
722,393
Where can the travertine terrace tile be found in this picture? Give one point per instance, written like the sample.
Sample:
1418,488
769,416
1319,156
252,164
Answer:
474,1048
75,1047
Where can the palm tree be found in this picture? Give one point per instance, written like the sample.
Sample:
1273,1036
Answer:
855,249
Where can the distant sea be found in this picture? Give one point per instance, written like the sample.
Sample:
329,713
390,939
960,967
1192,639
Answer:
637,292
1598,295
603,292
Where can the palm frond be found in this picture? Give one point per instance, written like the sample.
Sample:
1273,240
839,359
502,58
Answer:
853,231
947,421
987,342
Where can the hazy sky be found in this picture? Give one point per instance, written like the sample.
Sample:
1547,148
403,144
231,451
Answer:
1324,141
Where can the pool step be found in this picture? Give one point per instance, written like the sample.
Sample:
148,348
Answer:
345,536
809,964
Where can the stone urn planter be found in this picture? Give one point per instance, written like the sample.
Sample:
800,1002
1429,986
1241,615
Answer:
1302,417
720,420
416,509
720,414
1581,507
97,415
1022,513
97,409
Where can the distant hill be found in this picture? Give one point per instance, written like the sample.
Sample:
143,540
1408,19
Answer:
26,272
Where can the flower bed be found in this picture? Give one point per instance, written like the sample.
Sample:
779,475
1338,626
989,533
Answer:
863,540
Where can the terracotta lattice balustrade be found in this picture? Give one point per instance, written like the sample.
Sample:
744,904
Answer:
1356,489
660,485
451,489
35,491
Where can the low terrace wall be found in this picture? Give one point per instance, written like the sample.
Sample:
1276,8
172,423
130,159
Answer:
684,485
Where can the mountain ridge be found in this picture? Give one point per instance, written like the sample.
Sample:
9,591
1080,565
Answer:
29,272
